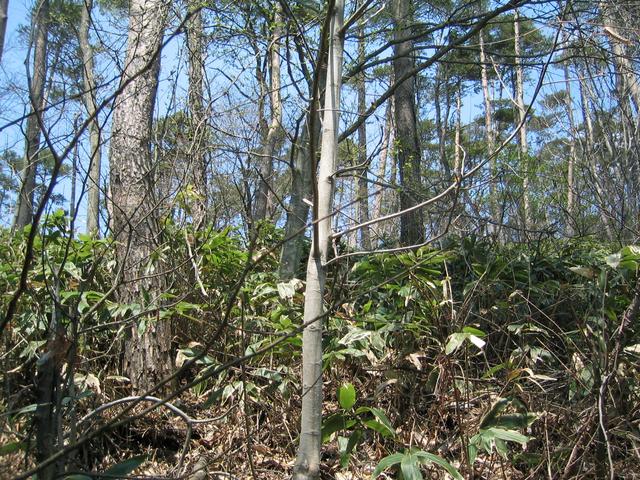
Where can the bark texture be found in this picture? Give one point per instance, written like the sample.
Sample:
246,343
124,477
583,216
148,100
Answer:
407,142
307,466
197,113
571,188
298,210
24,208
363,184
273,137
90,104
524,149
490,137
148,349
4,10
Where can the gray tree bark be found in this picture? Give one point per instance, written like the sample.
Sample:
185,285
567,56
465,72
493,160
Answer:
524,149
491,138
301,189
298,210
307,466
90,104
197,112
274,136
571,188
4,10
387,141
24,208
148,350
363,184
407,143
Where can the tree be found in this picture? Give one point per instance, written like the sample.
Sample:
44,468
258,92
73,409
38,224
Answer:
522,138
198,126
363,182
4,10
148,346
273,137
39,35
90,104
407,143
307,466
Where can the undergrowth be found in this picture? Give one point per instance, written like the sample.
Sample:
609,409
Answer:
495,361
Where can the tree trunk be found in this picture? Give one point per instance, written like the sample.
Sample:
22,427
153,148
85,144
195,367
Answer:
523,150
24,209
274,132
491,139
307,466
90,104
408,147
441,123
197,113
571,189
387,140
591,155
624,67
4,10
363,184
457,156
148,348
301,189
298,210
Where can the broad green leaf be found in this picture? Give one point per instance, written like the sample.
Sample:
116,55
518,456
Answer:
387,462
347,396
474,331
381,424
334,424
473,453
28,409
354,335
441,462
125,468
454,342
489,419
510,436
12,447
409,467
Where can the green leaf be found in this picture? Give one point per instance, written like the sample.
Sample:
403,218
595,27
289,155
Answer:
387,462
510,436
474,331
334,424
409,467
381,424
354,440
78,476
473,453
354,335
28,409
12,447
489,418
441,462
125,468
347,396
454,342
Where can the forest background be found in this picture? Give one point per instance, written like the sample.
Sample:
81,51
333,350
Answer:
268,239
